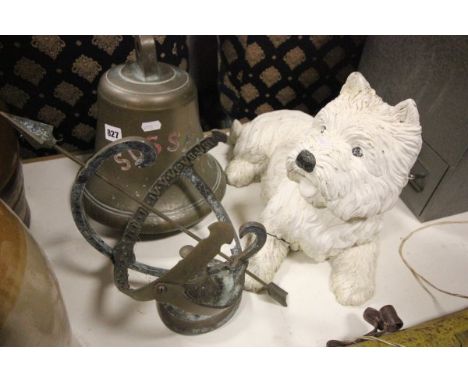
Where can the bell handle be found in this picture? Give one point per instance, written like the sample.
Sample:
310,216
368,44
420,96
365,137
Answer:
146,58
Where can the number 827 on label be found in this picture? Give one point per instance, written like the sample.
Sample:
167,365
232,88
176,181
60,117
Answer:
112,133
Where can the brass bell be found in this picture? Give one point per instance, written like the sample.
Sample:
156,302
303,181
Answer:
156,101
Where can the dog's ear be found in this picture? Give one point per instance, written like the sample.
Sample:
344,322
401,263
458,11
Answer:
408,112
407,125
406,145
355,83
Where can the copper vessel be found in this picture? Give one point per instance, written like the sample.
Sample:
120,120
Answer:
32,312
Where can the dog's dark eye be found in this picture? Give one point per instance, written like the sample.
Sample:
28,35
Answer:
357,152
322,130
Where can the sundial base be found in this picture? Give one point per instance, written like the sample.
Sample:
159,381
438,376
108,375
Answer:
192,324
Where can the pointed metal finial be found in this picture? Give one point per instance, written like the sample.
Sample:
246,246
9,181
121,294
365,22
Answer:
38,134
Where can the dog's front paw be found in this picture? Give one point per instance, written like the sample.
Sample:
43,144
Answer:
240,173
351,291
353,274
265,263
253,285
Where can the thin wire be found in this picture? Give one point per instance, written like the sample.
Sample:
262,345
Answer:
372,338
419,278
278,238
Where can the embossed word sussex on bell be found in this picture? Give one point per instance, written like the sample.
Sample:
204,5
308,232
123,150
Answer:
158,102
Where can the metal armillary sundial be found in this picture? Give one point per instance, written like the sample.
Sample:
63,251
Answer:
198,294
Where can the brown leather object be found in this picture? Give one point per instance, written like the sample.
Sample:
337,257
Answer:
13,190
21,208
11,173
13,194
9,153
385,320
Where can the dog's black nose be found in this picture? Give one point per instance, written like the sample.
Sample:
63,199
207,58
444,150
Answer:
306,161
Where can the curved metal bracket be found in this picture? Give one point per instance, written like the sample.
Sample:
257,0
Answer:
92,166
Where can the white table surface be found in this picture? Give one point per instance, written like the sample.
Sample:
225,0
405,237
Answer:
102,316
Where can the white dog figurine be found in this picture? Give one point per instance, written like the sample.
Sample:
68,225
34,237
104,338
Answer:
327,181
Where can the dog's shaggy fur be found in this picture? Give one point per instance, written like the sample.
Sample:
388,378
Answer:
363,150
